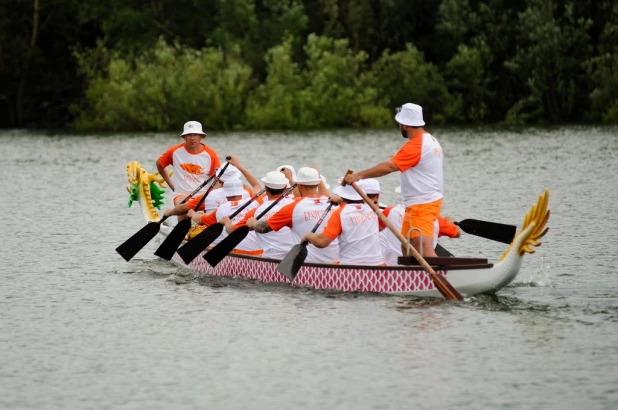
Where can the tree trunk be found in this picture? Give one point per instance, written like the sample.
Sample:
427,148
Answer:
22,84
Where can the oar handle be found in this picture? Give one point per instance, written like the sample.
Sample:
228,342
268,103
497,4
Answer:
317,225
283,195
239,210
214,182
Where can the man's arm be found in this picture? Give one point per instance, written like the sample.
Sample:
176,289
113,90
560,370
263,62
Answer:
319,240
255,184
180,209
165,175
259,227
383,168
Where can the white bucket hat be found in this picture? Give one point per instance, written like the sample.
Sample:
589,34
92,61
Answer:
231,172
323,178
411,115
307,176
291,168
275,180
192,127
233,187
347,192
370,186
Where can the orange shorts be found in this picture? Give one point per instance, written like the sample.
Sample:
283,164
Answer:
422,216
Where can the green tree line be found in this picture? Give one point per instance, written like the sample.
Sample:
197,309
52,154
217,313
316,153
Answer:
132,65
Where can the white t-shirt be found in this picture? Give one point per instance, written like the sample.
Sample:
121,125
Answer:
420,161
250,243
276,244
301,216
358,229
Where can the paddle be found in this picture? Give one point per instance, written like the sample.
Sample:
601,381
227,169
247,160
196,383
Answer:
167,249
223,248
195,246
490,230
440,282
441,251
129,248
293,261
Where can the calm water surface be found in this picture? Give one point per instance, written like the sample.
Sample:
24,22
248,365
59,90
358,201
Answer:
82,329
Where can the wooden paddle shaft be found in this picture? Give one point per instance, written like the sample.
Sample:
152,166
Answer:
276,201
398,234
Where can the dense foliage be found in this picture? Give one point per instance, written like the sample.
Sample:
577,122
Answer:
299,64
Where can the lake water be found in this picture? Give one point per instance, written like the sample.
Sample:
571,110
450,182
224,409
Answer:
80,328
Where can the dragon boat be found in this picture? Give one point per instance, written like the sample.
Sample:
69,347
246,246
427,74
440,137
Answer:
470,276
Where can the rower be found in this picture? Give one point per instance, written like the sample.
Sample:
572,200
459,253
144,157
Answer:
233,190
357,227
276,244
302,215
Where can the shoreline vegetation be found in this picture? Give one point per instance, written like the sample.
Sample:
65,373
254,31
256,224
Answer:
305,65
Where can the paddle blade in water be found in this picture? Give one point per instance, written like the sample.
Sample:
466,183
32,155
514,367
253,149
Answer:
134,244
167,249
195,246
293,261
490,230
223,248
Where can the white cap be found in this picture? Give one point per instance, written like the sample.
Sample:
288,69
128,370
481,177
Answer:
411,115
231,172
291,168
307,176
233,187
275,180
192,127
370,186
323,178
347,192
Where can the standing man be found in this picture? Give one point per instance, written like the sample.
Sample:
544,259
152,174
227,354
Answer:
420,162
192,161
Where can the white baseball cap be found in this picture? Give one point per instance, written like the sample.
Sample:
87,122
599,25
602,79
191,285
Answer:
231,172
275,180
370,186
192,127
307,176
233,187
410,114
347,192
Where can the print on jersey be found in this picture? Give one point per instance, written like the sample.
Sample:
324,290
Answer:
192,169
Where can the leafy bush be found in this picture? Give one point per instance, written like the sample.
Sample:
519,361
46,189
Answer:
405,77
163,89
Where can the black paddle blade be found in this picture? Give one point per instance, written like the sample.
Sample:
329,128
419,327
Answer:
223,248
167,249
441,251
293,261
195,246
134,244
490,230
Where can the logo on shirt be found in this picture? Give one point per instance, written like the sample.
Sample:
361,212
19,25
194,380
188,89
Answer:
192,169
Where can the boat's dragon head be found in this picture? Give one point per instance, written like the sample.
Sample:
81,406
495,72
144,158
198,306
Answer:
143,188
533,228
